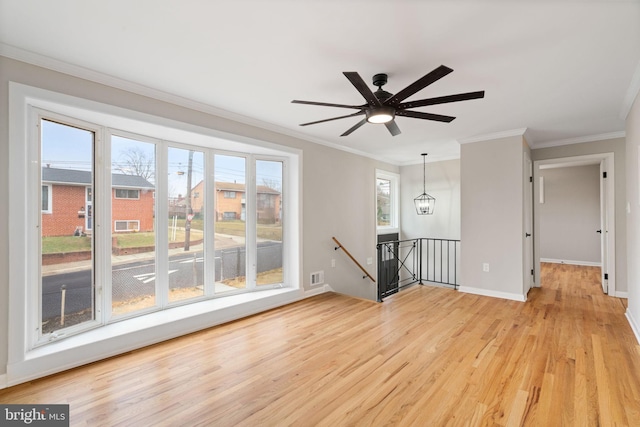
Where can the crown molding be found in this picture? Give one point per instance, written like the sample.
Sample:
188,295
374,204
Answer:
495,135
49,63
580,139
431,159
632,93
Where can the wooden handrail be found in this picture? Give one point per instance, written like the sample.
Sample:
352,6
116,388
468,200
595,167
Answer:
353,259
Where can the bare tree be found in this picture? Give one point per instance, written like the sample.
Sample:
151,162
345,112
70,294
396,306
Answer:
134,161
273,184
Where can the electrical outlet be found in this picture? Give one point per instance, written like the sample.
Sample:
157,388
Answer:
485,267
369,261
333,263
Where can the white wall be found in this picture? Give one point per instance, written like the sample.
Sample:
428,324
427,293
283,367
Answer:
633,215
570,215
492,225
443,183
338,188
340,201
617,147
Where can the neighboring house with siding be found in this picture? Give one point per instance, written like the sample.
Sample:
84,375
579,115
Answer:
231,202
67,202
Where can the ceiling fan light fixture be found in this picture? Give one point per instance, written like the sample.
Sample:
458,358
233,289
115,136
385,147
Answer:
380,114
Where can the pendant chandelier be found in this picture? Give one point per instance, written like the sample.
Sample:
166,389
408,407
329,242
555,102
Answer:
424,202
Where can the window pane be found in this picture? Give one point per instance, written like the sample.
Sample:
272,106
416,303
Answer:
230,214
269,217
186,223
45,197
133,271
68,298
383,214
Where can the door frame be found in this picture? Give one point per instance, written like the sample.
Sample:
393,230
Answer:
528,249
607,160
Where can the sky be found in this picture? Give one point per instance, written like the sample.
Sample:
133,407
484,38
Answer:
67,147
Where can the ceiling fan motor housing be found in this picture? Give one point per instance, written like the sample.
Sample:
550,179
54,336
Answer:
380,79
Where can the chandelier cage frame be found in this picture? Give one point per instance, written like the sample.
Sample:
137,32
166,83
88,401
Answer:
424,203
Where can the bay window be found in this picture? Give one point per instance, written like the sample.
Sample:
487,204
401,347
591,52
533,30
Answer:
110,251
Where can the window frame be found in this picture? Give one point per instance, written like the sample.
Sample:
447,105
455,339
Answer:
284,218
104,193
394,201
34,287
127,221
49,209
128,190
28,361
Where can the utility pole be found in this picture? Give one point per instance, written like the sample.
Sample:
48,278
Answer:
189,211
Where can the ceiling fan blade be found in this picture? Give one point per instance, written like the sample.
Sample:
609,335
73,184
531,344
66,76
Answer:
418,85
393,128
362,87
354,127
326,104
333,118
425,116
441,100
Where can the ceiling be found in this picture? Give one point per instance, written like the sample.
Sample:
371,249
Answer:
566,71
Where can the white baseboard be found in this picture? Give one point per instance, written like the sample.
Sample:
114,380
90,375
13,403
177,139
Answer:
492,293
317,290
571,262
620,294
3,381
635,326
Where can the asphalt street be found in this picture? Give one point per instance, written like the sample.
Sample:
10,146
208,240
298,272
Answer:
135,279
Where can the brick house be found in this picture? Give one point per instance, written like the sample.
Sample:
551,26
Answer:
67,202
231,202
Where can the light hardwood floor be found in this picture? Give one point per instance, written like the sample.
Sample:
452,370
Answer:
426,356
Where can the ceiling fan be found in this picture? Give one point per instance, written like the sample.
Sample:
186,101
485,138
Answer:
383,107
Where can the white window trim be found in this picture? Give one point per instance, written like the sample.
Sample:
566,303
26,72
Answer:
26,362
49,209
394,190
115,193
284,219
127,221
34,178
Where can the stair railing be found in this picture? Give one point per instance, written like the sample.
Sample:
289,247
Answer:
366,274
402,263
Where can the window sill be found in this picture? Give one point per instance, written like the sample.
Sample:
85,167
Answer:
128,335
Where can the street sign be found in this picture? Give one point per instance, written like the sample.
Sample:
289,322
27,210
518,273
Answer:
189,217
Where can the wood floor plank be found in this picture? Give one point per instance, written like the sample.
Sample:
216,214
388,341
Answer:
426,356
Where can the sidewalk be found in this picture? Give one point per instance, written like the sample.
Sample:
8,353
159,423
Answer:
223,241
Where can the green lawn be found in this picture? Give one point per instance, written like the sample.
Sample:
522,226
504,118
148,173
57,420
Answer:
136,240
64,244
237,228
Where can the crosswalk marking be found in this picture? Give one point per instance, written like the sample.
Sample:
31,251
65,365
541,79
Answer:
190,260
149,277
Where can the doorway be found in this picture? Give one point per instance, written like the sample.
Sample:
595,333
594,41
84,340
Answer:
388,279
603,225
528,273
